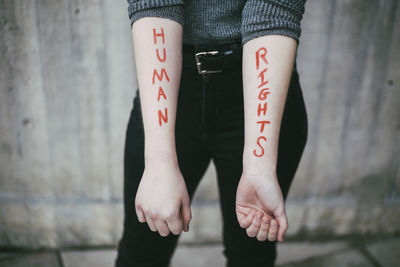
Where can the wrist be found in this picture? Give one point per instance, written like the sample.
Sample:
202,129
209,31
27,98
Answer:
259,174
160,150
259,166
163,157
262,176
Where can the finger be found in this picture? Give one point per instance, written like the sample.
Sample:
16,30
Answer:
246,222
162,227
273,229
243,210
254,228
186,213
140,214
240,216
175,226
283,226
151,224
263,233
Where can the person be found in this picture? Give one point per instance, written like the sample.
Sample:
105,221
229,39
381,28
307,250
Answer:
217,81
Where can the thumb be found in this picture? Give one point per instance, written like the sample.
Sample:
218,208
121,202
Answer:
186,213
283,224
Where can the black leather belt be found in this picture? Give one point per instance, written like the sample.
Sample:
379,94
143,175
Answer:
211,58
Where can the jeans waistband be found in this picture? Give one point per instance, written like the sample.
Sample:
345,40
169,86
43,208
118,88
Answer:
211,58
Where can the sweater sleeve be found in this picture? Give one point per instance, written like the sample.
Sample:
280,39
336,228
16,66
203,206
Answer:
171,9
264,17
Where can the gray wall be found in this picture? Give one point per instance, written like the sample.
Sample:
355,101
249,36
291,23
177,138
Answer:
67,81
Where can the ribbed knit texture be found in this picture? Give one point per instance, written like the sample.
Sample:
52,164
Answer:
170,9
212,20
223,21
262,17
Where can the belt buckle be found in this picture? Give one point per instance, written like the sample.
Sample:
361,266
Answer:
198,63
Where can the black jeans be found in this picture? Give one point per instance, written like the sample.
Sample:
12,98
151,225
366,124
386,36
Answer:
209,125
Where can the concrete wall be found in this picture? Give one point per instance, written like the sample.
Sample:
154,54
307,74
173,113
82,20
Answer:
67,83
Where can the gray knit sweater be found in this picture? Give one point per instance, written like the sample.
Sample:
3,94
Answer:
222,21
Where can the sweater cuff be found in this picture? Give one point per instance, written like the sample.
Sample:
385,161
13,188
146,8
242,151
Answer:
170,9
260,17
294,34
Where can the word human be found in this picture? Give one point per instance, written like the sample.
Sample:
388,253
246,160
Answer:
263,92
160,75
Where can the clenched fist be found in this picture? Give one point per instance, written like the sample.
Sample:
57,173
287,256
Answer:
162,200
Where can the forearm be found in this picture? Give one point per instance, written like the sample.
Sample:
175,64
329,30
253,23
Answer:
267,69
158,55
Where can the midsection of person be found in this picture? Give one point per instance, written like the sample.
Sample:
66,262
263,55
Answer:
212,21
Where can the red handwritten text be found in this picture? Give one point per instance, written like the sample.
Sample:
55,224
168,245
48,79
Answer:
262,95
160,75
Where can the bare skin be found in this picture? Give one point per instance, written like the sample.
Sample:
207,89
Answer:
162,199
258,191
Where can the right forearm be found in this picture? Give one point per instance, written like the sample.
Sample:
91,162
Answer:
158,55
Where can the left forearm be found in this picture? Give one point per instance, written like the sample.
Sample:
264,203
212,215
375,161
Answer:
267,69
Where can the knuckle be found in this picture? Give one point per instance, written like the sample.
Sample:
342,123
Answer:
164,233
154,216
166,216
261,238
245,222
175,227
176,231
151,214
146,210
169,214
250,232
265,225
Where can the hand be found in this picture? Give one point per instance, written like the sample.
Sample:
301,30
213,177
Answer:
162,199
260,207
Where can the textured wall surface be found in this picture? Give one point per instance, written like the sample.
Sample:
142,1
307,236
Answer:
67,81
